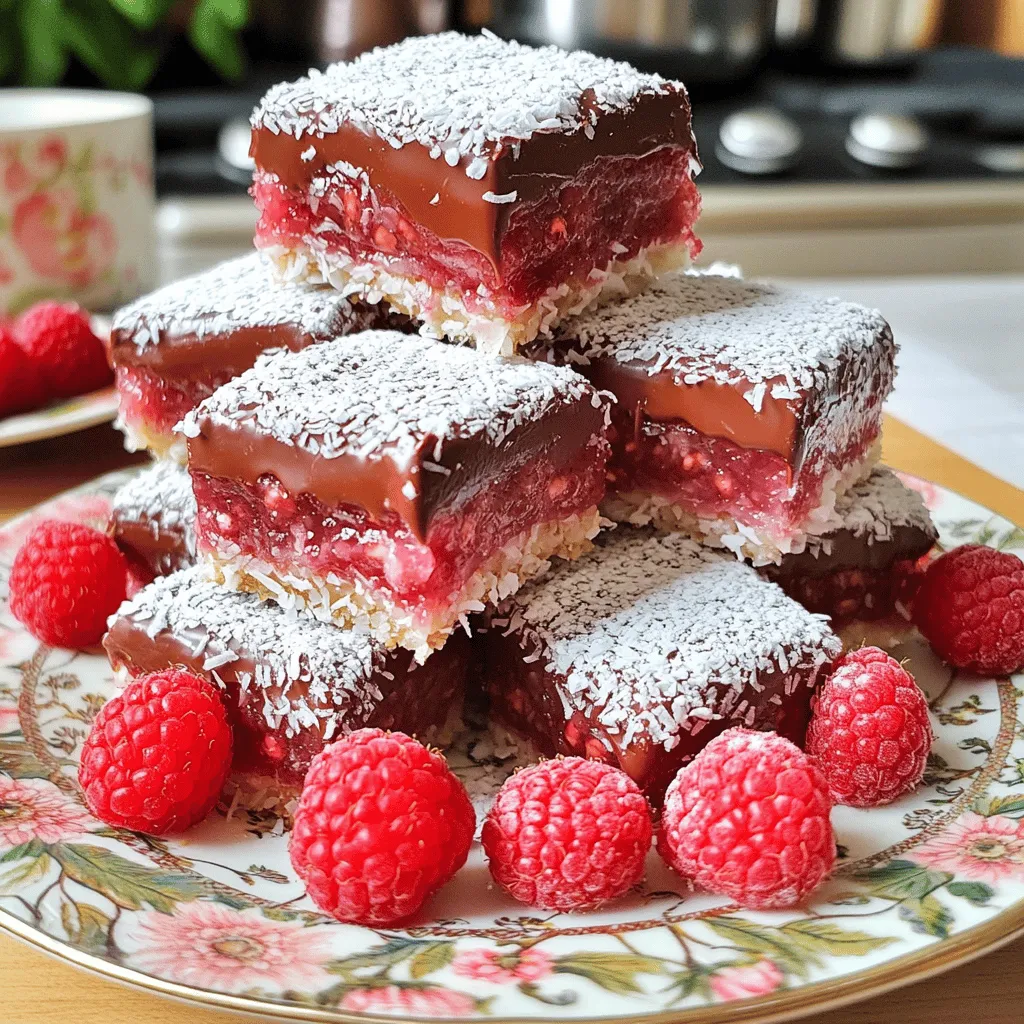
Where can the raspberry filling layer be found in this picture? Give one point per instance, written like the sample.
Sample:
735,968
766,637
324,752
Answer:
147,399
715,478
610,211
523,697
298,535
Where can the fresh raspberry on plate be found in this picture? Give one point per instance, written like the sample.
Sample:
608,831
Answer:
158,754
568,834
69,358
748,818
20,386
66,581
869,730
382,824
970,608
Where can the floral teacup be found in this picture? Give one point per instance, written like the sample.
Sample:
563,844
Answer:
76,197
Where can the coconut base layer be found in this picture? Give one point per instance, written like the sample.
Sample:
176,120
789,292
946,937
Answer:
159,444
445,314
644,509
357,605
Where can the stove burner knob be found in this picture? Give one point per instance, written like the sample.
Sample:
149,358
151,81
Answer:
758,140
887,140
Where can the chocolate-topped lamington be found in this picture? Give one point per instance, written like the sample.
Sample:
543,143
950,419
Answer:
291,683
744,409
647,647
487,188
153,519
869,565
395,484
174,347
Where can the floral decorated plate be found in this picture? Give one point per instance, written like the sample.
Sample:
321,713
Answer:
218,916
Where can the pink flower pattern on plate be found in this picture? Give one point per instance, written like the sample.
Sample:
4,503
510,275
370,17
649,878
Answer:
502,968
746,981
409,1002
975,847
212,946
8,717
37,809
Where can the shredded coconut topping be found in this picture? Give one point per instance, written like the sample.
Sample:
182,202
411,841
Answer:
384,394
873,507
160,497
701,326
331,669
240,293
460,96
644,628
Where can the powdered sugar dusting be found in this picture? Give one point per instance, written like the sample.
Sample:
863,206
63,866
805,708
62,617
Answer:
384,394
335,666
700,326
240,293
459,96
159,497
645,626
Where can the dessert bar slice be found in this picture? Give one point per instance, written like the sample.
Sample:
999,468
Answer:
647,647
174,347
487,188
866,567
393,483
744,409
153,519
291,683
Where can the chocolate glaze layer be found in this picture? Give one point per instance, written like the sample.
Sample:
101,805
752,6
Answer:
186,356
533,168
161,548
381,485
848,551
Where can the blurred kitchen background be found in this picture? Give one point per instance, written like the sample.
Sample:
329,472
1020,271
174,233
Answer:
824,125
878,141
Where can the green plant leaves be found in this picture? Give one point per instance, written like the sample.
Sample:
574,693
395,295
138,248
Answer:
433,957
213,32
106,45
44,53
977,893
826,937
614,972
125,882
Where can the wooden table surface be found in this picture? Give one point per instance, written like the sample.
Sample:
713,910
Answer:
35,989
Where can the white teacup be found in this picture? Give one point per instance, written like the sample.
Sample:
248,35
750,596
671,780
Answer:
76,197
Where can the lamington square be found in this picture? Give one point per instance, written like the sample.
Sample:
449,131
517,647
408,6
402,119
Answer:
176,346
291,683
744,410
153,519
870,565
486,188
395,484
647,647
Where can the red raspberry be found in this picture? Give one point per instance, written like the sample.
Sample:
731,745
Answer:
870,731
158,754
568,834
970,608
20,386
66,581
58,338
381,825
748,818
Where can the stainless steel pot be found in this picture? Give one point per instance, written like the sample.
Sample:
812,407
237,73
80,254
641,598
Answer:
699,40
861,33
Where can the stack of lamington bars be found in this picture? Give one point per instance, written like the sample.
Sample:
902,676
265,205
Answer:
374,519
